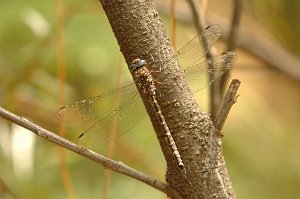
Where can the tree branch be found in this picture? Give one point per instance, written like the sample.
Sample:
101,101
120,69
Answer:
199,18
141,34
107,163
232,36
262,48
229,99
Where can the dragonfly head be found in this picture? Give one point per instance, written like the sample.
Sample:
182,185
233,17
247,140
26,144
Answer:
137,63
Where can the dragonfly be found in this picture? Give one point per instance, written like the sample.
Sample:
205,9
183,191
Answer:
145,82
122,117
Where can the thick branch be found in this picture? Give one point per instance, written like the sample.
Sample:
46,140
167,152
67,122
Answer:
141,34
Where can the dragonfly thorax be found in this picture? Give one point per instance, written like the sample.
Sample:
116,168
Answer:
144,80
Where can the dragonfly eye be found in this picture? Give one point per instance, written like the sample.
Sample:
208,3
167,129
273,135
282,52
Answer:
137,63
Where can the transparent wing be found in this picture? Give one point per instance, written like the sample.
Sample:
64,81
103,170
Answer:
113,125
96,107
206,71
101,105
121,118
195,49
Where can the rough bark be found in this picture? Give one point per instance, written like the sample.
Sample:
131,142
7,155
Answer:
141,34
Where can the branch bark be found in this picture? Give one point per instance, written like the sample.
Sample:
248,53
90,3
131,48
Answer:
116,166
141,34
228,101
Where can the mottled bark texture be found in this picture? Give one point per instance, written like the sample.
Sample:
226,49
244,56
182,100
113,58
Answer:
141,34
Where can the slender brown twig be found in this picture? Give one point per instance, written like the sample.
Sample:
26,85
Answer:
114,129
232,36
198,15
107,163
199,18
65,174
261,47
234,27
229,99
173,25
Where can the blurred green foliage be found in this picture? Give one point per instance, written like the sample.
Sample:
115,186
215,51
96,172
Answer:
261,135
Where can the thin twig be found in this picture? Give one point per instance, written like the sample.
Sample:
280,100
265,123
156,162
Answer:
60,60
229,99
100,159
198,14
235,22
6,189
199,18
261,47
173,25
113,132
232,36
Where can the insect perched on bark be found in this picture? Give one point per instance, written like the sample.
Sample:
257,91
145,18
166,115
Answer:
144,82
198,70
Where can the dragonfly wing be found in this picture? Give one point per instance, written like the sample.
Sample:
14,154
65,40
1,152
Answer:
206,71
112,126
95,107
195,49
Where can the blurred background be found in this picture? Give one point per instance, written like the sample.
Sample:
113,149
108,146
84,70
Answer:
262,132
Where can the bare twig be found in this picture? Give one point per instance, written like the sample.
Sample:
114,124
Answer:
173,25
200,23
114,129
60,60
198,15
272,54
235,22
6,189
263,48
232,36
199,18
116,166
228,101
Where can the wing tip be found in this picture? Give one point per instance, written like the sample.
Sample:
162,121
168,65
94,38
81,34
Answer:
217,28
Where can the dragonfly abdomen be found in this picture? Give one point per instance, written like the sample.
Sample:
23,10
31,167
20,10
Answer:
144,81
